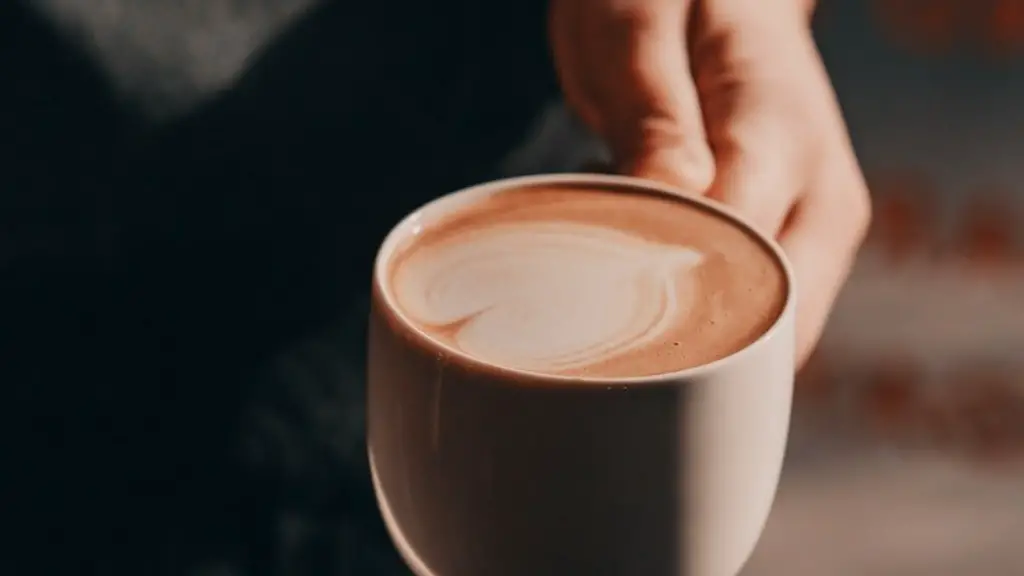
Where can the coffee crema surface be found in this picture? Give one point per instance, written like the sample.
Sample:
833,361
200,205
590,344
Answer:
588,281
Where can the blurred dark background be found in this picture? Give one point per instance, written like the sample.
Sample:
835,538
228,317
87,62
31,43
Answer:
192,191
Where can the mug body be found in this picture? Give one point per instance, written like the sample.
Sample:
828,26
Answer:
484,470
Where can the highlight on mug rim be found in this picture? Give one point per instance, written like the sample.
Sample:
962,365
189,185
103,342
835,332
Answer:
446,204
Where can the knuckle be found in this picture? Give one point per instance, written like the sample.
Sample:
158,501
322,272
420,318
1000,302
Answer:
859,210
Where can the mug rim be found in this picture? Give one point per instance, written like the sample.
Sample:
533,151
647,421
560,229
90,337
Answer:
448,203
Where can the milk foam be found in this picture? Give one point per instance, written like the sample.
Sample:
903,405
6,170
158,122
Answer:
548,296
584,281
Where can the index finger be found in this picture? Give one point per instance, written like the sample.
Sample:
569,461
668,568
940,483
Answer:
647,103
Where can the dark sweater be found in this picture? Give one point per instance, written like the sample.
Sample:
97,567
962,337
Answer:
190,197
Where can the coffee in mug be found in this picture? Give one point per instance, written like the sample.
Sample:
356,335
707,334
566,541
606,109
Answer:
578,374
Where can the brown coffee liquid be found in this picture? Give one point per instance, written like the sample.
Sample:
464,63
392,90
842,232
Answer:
588,281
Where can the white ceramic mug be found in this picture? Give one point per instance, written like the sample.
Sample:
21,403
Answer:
483,471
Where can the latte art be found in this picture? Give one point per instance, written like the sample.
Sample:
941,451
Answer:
587,282
525,294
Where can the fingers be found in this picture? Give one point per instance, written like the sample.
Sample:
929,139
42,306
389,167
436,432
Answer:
821,241
659,133
661,136
639,92
759,166
757,118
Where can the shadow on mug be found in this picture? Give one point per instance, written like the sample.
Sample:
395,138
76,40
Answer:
522,475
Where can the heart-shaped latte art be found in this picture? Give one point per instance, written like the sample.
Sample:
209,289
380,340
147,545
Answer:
548,296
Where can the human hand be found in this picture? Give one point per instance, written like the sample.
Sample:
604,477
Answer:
727,98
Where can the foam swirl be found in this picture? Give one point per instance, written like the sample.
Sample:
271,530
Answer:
548,296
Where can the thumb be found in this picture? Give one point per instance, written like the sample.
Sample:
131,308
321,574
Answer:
651,115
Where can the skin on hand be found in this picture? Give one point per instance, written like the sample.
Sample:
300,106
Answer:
730,99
